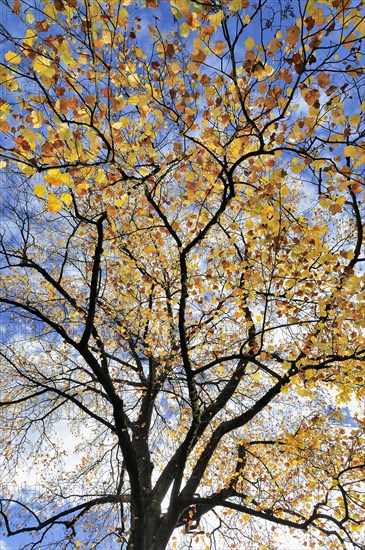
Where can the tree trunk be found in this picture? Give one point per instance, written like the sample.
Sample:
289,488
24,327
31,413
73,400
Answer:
153,534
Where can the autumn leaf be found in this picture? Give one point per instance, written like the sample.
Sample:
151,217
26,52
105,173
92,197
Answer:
323,80
54,204
122,200
16,6
292,35
40,190
311,96
335,209
13,57
216,18
66,198
249,43
349,150
82,188
56,177
42,66
219,47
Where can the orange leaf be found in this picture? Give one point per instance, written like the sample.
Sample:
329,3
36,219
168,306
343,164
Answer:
81,188
54,204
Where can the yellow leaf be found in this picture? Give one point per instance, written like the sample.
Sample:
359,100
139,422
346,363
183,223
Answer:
4,126
284,390
56,177
290,283
249,43
100,176
216,18
301,391
54,204
190,176
26,169
122,14
64,132
81,188
175,67
355,119
182,5
133,80
29,17
349,151
39,190
42,65
66,198
197,43
236,5
29,37
30,136
13,57
143,171
37,119
185,30
260,71
122,200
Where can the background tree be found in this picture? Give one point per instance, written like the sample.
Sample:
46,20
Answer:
181,269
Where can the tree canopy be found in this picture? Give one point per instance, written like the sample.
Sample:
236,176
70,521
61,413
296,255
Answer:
182,273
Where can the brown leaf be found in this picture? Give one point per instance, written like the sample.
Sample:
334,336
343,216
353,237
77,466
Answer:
4,126
170,50
205,80
335,209
219,47
42,26
292,35
309,23
198,56
311,96
331,89
16,6
323,80
59,5
316,40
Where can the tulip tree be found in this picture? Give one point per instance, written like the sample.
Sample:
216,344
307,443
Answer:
182,273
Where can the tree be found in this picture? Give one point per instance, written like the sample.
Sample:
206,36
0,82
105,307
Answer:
182,271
